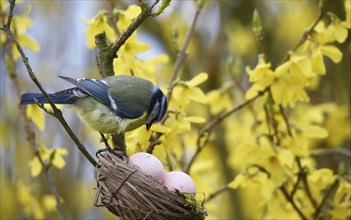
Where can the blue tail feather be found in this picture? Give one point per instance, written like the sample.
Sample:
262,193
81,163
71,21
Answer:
28,98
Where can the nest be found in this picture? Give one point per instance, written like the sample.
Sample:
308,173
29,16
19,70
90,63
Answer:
130,194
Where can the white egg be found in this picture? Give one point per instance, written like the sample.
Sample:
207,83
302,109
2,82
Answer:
147,164
180,181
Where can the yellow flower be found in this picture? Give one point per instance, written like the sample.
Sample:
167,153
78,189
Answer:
347,6
37,115
19,26
262,77
49,203
338,29
291,79
126,62
49,156
341,201
125,17
322,34
97,25
219,99
184,91
249,180
141,68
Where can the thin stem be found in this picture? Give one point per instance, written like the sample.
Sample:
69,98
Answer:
296,186
329,152
180,59
305,182
292,202
30,134
56,111
325,198
218,119
286,120
10,16
182,54
146,12
306,33
216,193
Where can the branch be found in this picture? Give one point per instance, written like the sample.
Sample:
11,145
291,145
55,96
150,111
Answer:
216,193
180,59
146,12
306,33
286,120
328,152
27,122
182,53
207,129
292,202
326,196
306,186
56,111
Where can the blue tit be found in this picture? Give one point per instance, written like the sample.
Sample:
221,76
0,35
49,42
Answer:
112,105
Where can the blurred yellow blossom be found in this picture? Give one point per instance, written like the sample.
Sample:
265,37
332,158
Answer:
338,29
341,201
49,202
37,115
220,99
184,91
291,79
126,61
262,77
19,26
49,157
252,178
97,25
125,17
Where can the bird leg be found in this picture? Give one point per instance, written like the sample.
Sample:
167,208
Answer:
118,142
119,154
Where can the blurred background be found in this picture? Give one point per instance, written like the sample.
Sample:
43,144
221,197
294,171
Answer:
223,35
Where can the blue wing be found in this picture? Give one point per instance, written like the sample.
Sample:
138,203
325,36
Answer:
95,88
99,90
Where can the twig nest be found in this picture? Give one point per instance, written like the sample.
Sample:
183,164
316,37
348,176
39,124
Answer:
130,194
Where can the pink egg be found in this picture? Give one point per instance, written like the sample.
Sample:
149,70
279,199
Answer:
147,164
180,181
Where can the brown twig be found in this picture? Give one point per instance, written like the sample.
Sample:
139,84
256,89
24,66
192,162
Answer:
146,11
216,193
306,186
306,34
325,198
106,53
292,202
179,61
31,138
286,120
56,111
182,53
205,131
328,152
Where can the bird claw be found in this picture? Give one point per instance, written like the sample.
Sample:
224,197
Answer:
118,154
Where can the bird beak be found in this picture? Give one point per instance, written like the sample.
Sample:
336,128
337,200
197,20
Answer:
148,126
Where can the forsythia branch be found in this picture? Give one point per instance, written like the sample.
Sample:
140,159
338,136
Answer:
205,131
180,59
56,111
27,122
324,200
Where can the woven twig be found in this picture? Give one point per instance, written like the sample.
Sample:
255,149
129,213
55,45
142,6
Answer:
130,194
